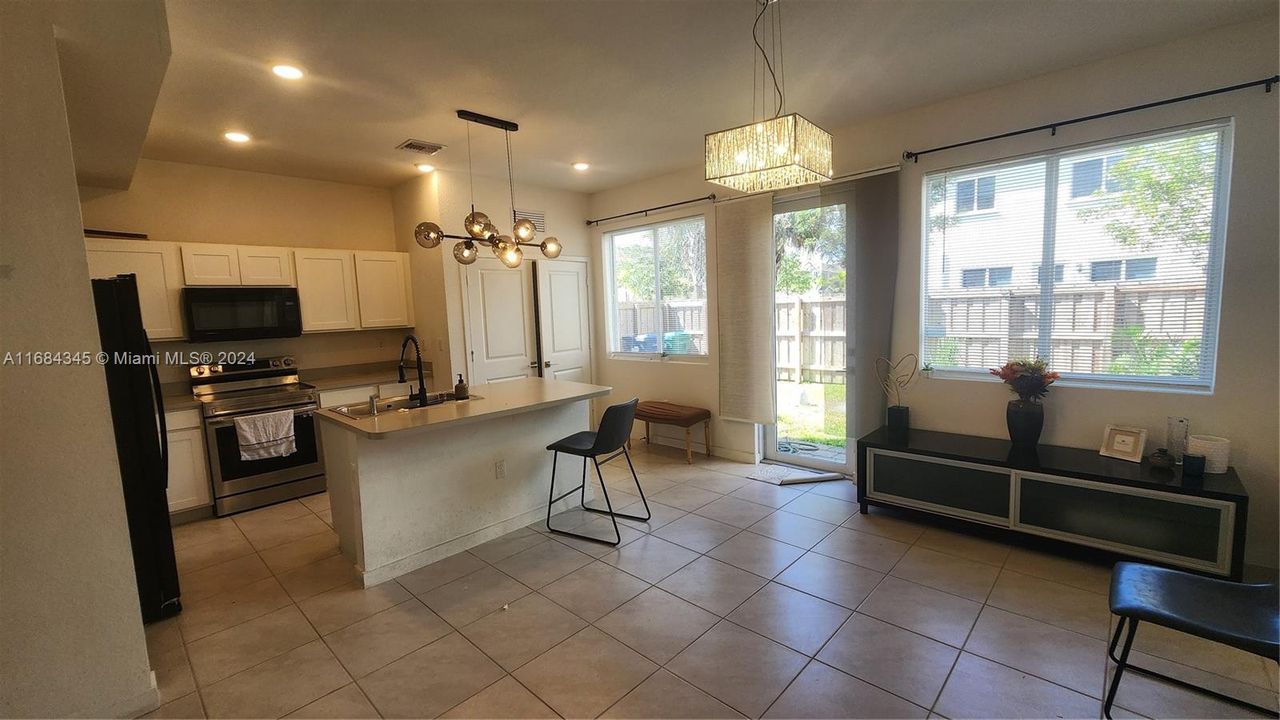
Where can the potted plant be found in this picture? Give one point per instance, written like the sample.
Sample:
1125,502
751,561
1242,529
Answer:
1030,379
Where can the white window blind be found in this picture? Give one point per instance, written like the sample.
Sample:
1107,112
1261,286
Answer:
1105,260
657,289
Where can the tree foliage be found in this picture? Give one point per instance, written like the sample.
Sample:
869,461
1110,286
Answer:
1138,353
681,254
809,250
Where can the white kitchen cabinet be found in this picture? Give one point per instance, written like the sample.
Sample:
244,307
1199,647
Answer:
210,264
327,289
188,462
265,265
383,286
158,267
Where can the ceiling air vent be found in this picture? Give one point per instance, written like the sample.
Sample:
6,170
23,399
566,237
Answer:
538,217
421,147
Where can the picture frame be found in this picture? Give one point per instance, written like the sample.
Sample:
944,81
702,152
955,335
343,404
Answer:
1124,442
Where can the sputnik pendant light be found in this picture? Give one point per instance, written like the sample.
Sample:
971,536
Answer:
480,230
769,153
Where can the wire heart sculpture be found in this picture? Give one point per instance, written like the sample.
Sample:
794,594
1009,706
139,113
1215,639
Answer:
894,377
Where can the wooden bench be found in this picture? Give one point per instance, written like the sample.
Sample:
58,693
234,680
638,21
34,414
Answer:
665,413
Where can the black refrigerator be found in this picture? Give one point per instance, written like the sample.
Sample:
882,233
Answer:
137,414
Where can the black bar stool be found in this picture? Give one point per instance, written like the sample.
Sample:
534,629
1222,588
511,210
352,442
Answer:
610,439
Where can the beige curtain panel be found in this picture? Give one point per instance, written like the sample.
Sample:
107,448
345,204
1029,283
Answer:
744,290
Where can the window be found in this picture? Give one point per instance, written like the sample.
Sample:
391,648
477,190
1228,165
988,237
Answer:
657,289
976,194
1149,241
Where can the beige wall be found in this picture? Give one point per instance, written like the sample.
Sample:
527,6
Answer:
197,203
1244,404
71,638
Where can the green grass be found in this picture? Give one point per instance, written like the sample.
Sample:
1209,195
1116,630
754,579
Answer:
828,429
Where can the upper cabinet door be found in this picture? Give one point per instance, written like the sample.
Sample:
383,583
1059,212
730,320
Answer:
209,264
326,289
386,296
158,267
265,265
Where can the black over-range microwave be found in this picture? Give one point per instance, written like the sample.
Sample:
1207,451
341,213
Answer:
241,313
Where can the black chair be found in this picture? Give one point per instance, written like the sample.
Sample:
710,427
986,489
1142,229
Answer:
1243,616
610,439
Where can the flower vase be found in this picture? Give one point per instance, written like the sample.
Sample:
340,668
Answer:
1025,417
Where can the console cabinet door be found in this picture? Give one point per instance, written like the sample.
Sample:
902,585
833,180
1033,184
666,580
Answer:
265,265
327,290
188,470
158,267
210,264
948,487
382,279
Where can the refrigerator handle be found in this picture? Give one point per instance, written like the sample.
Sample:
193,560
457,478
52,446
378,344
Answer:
158,403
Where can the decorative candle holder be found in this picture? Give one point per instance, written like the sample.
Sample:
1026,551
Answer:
1176,430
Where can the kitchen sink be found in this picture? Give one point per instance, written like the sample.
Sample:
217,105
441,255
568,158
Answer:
397,404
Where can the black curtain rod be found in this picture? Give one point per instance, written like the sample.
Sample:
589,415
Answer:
1053,127
646,211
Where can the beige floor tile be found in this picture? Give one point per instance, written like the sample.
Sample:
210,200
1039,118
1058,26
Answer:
600,527
735,511
686,497
219,612
316,503
543,564
969,694
713,585
660,515
201,532
768,494
738,667
163,635
886,523
337,608
191,558
431,680
317,577
845,490
326,516
506,698
303,551
379,639
1067,607
821,507
263,534
792,529
345,703
503,547
758,554
958,576
869,551
473,596
908,665
1203,654
965,545
650,558
278,686
657,624
287,510
1159,699
594,590
1048,652
185,707
664,695
229,575
426,579
522,630
174,678
824,692
717,482
696,532
930,612
801,622
1089,576
226,653
830,579
584,675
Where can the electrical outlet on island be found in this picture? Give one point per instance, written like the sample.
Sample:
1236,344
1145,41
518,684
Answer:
500,469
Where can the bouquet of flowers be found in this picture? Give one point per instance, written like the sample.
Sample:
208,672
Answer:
1030,379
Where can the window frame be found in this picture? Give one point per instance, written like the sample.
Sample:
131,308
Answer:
976,211
1202,385
607,252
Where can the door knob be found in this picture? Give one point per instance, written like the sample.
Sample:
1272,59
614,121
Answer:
547,364
533,364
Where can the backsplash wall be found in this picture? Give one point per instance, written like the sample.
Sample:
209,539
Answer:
319,350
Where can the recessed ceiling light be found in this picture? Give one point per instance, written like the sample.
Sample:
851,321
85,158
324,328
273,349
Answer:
426,167
236,137
288,72
580,166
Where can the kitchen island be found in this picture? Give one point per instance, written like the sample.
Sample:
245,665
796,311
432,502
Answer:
410,486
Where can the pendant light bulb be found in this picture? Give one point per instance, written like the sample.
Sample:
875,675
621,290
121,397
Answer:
524,229
465,252
428,234
551,247
474,223
511,256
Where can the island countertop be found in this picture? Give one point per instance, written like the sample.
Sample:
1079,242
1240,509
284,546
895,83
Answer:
493,400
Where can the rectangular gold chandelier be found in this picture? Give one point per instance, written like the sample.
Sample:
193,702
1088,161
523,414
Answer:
769,155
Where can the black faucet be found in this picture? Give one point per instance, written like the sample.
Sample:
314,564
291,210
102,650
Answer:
421,395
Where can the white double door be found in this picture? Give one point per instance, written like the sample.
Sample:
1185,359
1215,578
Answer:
528,322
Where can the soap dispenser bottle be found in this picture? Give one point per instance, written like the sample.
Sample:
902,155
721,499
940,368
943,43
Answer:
460,391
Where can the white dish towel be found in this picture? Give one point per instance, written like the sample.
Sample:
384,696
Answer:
266,435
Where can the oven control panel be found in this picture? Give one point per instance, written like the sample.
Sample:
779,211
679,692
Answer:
257,365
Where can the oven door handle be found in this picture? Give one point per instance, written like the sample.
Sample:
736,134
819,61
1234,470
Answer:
229,418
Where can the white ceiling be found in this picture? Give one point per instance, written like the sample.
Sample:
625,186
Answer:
629,86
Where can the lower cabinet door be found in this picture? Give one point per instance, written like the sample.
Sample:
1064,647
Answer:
188,470
1177,529
950,487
